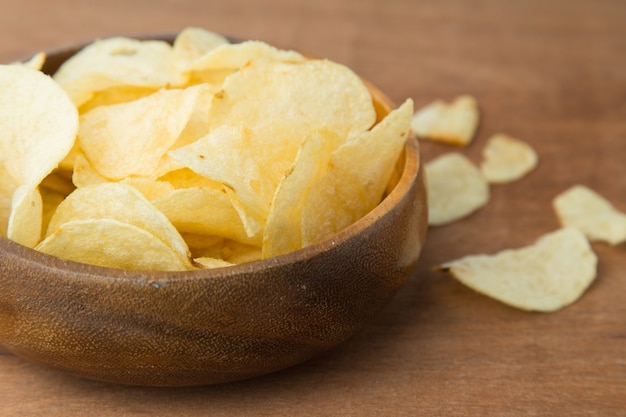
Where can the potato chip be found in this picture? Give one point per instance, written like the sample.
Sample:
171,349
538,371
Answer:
193,43
35,62
84,173
132,138
186,178
283,230
24,226
585,209
546,276
210,263
116,62
454,123
456,188
507,159
239,253
115,95
111,243
250,149
149,187
357,175
218,63
122,203
32,107
204,211
51,200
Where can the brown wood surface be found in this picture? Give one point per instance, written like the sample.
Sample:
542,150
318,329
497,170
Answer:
552,72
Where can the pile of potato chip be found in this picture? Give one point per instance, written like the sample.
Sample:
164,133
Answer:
145,155
545,276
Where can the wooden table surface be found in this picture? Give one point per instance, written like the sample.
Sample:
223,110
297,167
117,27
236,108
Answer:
551,72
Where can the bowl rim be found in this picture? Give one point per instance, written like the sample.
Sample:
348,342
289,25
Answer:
409,160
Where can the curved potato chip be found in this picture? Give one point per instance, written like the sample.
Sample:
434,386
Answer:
595,216
214,66
546,276
26,218
113,244
507,159
32,107
115,62
210,263
250,149
456,188
454,123
357,175
84,174
132,138
204,211
115,95
228,250
35,62
283,230
120,202
192,43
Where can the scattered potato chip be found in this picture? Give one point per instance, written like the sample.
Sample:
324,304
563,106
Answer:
116,62
454,123
356,178
546,276
456,188
507,159
595,216
32,107
90,241
26,217
132,138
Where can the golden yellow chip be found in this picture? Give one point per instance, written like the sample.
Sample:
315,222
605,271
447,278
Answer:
122,203
210,263
32,108
456,188
454,123
204,211
35,62
507,159
546,276
132,138
111,243
116,62
193,43
358,173
26,217
250,149
214,66
84,174
149,187
283,230
585,209
115,95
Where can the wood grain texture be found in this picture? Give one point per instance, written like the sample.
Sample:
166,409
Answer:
550,72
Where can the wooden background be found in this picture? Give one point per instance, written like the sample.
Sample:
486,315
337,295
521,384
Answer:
551,72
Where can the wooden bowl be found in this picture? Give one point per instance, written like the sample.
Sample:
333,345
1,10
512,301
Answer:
212,326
